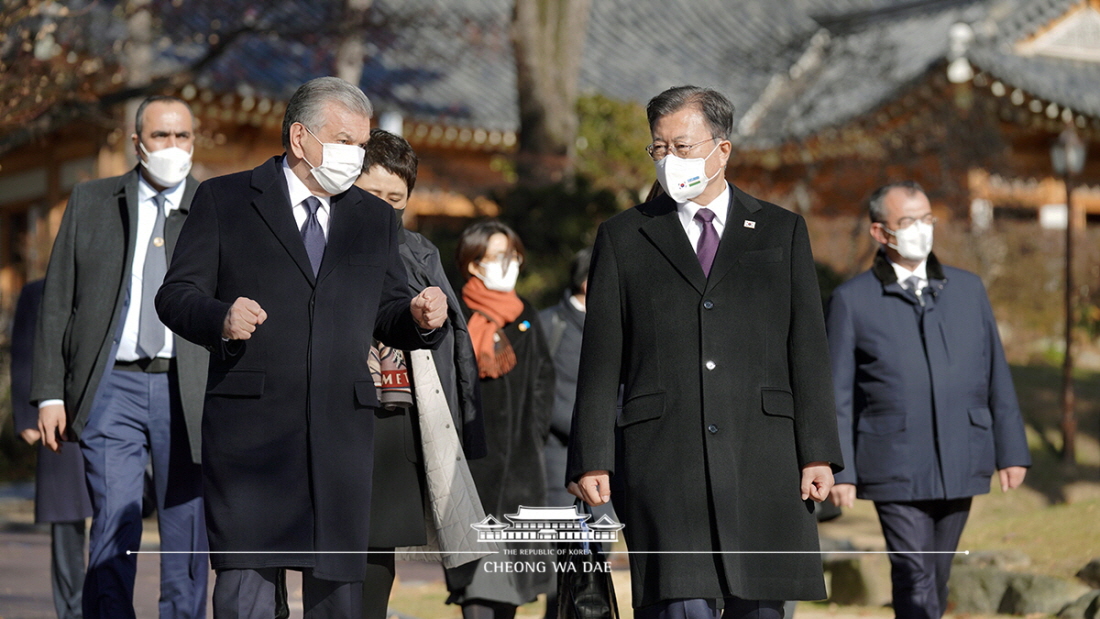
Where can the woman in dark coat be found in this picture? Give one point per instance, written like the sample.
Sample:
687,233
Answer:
398,485
517,390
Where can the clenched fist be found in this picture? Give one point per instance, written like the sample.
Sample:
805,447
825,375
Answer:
242,319
429,308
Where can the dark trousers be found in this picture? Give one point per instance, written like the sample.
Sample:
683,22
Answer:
254,594
378,583
67,567
137,416
931,527
735,608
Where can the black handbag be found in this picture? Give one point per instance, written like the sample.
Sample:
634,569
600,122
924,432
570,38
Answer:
585,590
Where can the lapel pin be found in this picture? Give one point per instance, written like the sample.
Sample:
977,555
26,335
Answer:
750,224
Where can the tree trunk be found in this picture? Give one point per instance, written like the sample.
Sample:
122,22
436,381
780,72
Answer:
138,60
548,38
350,50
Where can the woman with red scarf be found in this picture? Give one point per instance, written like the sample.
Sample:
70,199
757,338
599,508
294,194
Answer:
517,391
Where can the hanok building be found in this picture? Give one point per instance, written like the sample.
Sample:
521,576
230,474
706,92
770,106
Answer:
833,97
964,96
443,74
548,524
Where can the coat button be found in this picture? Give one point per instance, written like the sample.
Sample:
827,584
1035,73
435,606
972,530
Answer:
708,304
710,365
713,429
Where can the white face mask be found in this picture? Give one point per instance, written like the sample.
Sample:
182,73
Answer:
498,276
167,166
341,165
914,242
684,179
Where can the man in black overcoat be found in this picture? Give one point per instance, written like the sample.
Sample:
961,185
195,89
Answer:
287,273
704,305
109,374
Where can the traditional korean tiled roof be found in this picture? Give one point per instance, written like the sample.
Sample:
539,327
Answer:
791,67
455,64
861,60
1072,83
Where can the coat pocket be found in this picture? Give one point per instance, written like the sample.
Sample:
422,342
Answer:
982,457
366,394
777,402
980,417
642,408
882,451
237,383
771,254
881,424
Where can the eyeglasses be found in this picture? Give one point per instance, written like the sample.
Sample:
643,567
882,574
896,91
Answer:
659,150
905,222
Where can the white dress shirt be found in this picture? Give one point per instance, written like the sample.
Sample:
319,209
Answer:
687,210
298,195
921,272
147,215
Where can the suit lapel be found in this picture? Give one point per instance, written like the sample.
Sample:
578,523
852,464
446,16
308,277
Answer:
273,205
346,218
736,237
664,230
124,201
128,188
174,223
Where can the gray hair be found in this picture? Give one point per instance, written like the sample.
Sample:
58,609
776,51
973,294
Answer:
876,204
307,105
716,108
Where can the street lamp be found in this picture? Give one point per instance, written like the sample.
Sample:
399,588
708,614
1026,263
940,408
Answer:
1067,156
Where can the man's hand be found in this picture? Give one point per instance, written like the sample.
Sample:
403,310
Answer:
843,495
30,435
817,481
1011,477
52,425
594,488
429,308
242,319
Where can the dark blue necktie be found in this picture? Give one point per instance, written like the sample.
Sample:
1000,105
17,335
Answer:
150,328
312,234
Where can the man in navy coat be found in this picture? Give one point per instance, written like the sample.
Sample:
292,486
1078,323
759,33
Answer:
925,404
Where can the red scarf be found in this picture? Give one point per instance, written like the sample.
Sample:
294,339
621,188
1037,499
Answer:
492,311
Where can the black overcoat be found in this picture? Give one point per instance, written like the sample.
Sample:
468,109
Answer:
727,396
564,325
60,493
87,285
288,430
